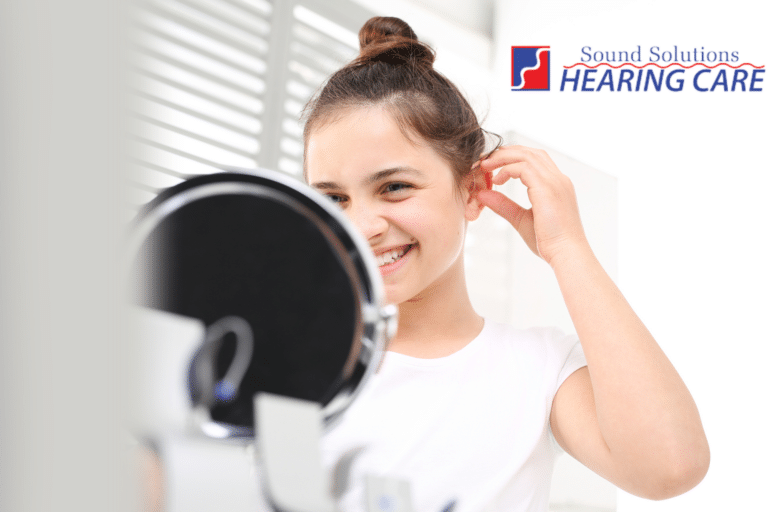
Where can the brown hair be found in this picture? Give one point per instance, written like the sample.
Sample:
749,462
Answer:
394,69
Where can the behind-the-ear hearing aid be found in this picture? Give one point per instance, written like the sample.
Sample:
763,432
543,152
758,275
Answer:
204,389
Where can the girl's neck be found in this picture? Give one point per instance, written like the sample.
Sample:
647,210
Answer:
439,321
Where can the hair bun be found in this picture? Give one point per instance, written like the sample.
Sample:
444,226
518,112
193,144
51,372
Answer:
391,40
381,28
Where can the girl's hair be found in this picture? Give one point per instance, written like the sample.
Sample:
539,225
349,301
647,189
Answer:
394,70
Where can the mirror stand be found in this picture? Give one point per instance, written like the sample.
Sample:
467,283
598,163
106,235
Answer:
289,432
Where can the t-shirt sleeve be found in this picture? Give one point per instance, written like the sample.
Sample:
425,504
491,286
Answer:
568,356
573,360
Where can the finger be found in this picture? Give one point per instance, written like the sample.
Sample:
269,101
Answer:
505,155
537,158
508,172
530,175
503,206
519,217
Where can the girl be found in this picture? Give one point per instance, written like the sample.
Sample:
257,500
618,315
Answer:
469,411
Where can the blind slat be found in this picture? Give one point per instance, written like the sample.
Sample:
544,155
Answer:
236,38
245,91
200,115
196,92
197,136
197,48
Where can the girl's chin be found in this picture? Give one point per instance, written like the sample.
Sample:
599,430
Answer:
394,294
392,298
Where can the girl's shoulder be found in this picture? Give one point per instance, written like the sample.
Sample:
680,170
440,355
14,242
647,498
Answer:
533,338
534,350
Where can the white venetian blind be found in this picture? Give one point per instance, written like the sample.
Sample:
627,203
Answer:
221,83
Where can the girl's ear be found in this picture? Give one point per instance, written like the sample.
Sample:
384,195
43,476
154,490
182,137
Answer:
476,181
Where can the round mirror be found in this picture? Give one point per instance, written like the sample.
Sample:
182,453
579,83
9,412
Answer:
289,293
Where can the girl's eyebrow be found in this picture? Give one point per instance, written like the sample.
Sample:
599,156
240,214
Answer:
326,185
386,173
373,178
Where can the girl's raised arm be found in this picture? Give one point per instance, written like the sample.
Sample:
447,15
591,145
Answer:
628,416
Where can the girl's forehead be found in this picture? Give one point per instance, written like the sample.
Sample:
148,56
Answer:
363,141
364,121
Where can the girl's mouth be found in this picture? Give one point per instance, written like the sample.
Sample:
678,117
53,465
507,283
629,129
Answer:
388,262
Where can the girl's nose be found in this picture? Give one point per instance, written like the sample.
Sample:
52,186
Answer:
368,221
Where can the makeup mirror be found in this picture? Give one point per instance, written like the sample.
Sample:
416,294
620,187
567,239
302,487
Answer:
288,292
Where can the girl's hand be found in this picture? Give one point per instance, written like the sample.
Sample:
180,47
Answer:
552,225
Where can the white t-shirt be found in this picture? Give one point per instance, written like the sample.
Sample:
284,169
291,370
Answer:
471,427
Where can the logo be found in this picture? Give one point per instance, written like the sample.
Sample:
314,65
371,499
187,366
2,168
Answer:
530,68
639,69
657,69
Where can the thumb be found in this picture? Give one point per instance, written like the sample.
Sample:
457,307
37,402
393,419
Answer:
520,218
503,205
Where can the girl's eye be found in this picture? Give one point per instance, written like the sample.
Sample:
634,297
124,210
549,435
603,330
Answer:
396,187
339,200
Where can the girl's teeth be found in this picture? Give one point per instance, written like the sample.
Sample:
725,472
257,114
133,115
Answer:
391,256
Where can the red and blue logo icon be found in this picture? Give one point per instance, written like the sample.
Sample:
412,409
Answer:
530,68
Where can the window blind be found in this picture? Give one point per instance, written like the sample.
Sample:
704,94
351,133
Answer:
221,83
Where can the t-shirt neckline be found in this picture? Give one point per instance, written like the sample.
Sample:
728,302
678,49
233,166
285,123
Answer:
399,359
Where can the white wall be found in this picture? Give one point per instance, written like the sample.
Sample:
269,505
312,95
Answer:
692,179
61,445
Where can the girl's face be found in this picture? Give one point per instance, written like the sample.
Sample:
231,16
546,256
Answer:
399,193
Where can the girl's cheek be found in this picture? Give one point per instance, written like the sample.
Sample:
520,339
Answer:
414,214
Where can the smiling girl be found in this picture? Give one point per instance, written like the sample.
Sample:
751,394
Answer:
471,412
